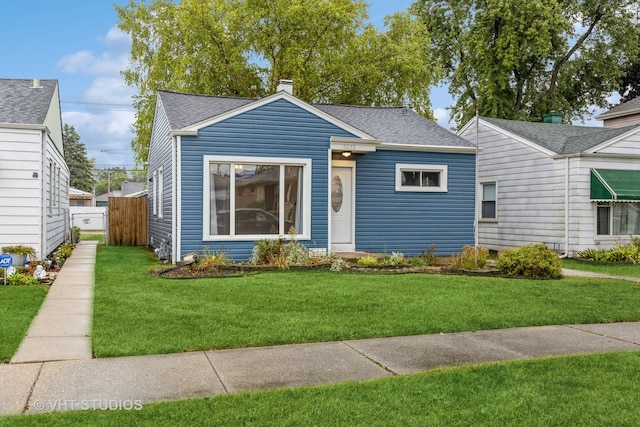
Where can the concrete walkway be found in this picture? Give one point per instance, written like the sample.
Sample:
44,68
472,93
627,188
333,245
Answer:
62,328
54,380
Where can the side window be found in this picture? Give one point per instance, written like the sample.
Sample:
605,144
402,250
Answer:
160,192
421,178
489,200
154,181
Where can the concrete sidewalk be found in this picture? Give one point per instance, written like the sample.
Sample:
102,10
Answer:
98,383
53,369
62,328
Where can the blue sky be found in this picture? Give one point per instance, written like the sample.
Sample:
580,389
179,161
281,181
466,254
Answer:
78,43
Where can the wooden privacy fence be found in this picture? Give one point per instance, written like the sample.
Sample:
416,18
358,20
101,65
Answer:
127,221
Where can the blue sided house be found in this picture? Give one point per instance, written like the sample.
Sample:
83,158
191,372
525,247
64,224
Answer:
225,172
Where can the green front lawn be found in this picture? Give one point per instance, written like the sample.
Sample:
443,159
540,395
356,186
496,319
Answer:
611,268
18,307
591,390
137,313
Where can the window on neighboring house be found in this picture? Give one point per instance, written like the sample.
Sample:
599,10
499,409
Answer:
160,192
489,199
57,195
257,197
618,219
51,175
154,182
428,178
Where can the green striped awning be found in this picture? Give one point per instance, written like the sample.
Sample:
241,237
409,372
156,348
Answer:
614,184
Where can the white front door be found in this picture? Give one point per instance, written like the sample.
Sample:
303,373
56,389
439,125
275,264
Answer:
341,205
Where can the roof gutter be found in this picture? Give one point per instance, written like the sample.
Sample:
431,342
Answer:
567,176
429,148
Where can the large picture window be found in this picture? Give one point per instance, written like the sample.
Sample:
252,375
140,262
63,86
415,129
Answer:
247,198
427,178
618,219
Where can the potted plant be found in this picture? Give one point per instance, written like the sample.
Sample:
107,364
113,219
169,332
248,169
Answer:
19,253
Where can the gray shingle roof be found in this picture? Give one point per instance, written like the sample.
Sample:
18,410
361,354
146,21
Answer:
559,138
395,125
184,109
21,103
629,107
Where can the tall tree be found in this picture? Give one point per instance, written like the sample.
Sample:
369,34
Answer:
110,179
75,155
630,85
519,59
243,47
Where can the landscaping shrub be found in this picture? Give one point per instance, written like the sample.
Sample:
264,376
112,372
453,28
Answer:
367,261
211,260
339,264
471,258
429,255
629,253
22,279
531,261
396,258
279,253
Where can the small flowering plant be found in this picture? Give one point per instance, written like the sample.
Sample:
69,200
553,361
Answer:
19,250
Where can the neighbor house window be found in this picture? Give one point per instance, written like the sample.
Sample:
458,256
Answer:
256,197
154,182
160,192
421,178
488,200
618,219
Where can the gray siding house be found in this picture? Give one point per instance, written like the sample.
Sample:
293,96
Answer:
34,178
571,187
225,172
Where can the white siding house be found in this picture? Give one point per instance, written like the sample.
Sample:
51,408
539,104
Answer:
539,182
34,178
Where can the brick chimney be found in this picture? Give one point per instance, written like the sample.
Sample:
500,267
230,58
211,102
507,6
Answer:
285,85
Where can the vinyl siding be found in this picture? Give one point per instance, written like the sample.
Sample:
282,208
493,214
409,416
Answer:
277,129
160,156
618,122
57,219
530,192
629,145
25,199
410,222
583,210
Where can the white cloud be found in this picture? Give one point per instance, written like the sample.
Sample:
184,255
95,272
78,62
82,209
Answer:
109,90
86,62
103,113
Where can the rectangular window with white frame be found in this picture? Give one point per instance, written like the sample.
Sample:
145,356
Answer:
246,198
154,184
420,177
489,205
618,219
160,192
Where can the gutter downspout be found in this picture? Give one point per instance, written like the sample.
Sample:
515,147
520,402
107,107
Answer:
566,209
476,191
43,198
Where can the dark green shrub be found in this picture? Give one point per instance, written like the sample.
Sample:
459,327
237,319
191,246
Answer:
531,261
629,253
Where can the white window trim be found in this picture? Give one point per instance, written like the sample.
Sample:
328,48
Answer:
481,193
232,160
613,237
153,193
160,192
442,169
